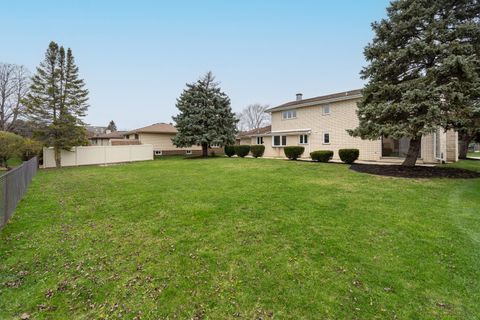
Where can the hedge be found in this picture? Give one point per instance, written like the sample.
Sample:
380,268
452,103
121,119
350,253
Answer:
293,153
257,150
348,155
321,155
242,150
230,151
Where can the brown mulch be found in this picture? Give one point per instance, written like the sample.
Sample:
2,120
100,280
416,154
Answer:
415,172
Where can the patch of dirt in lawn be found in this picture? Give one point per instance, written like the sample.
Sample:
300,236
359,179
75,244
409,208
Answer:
415,172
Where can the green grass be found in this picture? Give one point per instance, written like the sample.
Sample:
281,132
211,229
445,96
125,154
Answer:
473,154
13,162
241,238
468,164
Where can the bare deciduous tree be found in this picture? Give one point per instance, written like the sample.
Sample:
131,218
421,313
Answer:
14,84
253,117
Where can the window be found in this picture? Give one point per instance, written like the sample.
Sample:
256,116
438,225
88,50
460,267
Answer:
279,141
395,147
259,140
157,152
128,136
289,114
188,152
136,136
326,109
304,139
326,138
214,146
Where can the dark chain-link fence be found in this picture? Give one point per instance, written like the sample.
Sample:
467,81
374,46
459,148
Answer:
13,185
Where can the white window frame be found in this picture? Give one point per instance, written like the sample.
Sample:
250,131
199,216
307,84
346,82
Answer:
303,139
325,106
260,139
289,114
157,152
281,141
329,138
188,152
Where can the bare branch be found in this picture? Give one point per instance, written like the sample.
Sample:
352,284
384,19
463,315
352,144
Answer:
14,84
253,117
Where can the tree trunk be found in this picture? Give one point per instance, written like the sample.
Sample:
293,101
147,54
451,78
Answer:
463,142
58,156
413,152
204,150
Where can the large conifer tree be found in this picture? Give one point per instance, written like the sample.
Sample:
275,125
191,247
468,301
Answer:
57,101
206,117
422,71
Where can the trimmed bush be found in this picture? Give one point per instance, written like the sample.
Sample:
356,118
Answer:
321,155
348,155
293,153
257,150
242,150
230,151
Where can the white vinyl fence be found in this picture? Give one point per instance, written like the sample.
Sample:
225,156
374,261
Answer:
80,156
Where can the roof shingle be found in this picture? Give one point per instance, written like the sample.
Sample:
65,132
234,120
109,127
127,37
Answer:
346,95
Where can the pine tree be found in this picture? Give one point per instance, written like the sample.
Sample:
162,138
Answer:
112,126
422,71
206,117
57,101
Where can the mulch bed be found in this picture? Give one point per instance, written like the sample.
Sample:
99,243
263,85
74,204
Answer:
415,172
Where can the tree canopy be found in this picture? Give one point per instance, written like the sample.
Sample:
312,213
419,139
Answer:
112,126
205,117
422,71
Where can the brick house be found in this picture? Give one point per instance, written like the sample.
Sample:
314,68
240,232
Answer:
160,135
320,123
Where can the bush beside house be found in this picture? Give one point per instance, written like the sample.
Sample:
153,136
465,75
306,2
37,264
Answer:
293,153
242,150
321,155
348,155
257,150
230,151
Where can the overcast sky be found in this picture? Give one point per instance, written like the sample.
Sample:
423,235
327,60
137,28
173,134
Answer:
136,56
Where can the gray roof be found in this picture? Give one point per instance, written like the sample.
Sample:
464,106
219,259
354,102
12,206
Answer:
340,96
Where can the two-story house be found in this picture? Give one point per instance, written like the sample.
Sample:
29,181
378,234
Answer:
321,123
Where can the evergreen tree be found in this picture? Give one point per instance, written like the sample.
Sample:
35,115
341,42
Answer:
112,126
57,101
206,117
422,71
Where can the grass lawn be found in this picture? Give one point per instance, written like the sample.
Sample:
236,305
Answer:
241,238
468,164
13,162
473,154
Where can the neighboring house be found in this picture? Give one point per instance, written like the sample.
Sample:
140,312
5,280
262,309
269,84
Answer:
254,136
96,130
160,135
320,123
106,139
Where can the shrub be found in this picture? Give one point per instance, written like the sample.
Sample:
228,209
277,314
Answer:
230,151
242,150
348,155
293,153
10,146
30,149
321,155
257,150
